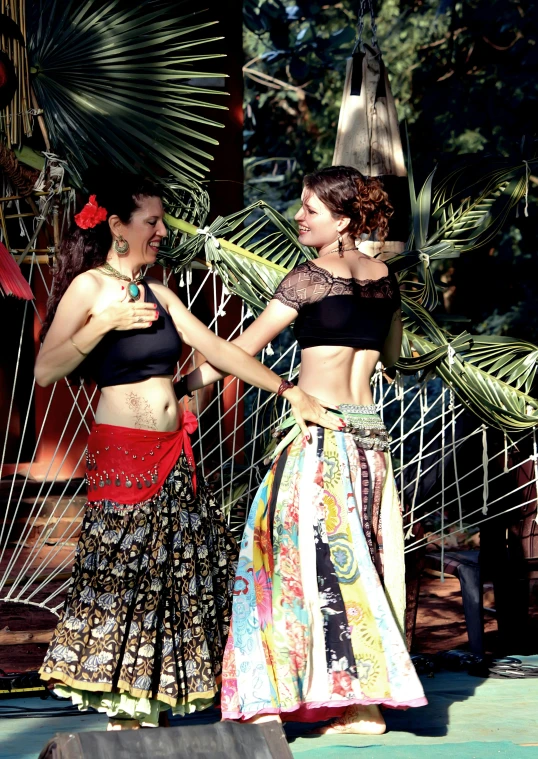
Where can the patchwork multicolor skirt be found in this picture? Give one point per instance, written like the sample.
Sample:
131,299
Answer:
319,597
149,604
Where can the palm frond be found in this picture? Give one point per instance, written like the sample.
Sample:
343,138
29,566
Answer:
494,395
252,273
465,211
253,249
113,82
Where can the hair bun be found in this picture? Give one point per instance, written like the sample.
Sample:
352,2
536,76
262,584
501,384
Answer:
346,192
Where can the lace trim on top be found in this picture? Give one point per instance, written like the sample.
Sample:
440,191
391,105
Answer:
309,283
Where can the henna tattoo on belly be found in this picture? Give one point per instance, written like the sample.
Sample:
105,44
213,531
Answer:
143,414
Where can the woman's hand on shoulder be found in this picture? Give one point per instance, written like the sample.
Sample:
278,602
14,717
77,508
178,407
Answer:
306,408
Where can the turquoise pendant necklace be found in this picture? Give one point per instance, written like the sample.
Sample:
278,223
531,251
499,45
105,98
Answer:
132,288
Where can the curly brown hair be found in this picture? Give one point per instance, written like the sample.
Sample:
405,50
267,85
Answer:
84,249
346,192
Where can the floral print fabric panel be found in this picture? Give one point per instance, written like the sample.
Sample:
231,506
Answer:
311,625
148,608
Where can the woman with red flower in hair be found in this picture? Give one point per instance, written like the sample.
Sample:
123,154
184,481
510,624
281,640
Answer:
147,612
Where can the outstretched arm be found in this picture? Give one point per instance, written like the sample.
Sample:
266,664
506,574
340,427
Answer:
265,328
231,359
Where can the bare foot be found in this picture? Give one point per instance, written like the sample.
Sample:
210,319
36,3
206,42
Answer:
359,719
122,724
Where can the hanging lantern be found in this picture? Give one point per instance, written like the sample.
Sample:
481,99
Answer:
368,135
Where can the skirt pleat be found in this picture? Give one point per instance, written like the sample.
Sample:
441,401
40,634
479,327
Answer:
148,608
319,596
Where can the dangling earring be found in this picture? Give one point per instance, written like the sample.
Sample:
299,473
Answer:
121,246
340,246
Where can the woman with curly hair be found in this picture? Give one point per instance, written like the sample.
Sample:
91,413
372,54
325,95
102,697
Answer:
319,600
148,608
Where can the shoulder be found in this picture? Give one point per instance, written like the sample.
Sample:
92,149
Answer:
371,268
86,284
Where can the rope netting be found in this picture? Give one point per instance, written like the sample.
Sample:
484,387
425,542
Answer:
453,472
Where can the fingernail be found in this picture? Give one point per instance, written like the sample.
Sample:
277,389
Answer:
122,287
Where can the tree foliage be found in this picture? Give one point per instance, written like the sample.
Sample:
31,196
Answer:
464,77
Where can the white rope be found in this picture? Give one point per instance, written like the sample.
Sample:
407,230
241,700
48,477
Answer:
208,235
485,492
418,420
425,259
216,310
535,460
452,408
409,532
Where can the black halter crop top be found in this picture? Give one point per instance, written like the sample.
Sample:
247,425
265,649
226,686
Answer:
126,356
339,310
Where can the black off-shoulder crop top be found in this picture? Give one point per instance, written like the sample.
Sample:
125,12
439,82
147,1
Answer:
339,310
126,356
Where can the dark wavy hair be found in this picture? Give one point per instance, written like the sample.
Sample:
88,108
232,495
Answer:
346,192
84,249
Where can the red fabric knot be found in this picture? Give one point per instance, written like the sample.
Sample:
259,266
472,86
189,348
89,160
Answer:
189,424
135,471
91,215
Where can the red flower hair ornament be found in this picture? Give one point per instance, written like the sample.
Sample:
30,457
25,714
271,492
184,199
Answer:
91,215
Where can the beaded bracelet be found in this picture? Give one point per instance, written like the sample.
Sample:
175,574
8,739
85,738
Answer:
284,385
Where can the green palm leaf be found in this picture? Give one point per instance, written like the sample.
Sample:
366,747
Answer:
253,273
466,211
114,82
493,376
495,395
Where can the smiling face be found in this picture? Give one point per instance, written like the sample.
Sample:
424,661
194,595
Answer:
318,227
144,231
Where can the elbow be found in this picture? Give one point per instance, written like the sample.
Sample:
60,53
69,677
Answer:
388,359
42,378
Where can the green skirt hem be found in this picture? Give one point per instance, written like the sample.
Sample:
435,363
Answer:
124,706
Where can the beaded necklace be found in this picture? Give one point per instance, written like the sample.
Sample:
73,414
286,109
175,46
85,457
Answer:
132,288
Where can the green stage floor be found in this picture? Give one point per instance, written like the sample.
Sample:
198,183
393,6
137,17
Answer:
467,718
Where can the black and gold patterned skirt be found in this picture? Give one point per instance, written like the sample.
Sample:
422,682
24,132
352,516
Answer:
148,609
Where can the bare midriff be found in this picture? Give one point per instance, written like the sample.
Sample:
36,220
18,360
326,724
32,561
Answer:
338,374
150,404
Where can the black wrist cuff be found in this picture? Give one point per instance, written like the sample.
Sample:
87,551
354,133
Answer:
181,389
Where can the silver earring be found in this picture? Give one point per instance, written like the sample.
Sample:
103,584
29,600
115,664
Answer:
121,246
340,246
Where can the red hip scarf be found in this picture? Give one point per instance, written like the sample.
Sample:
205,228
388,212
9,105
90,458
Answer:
129,466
